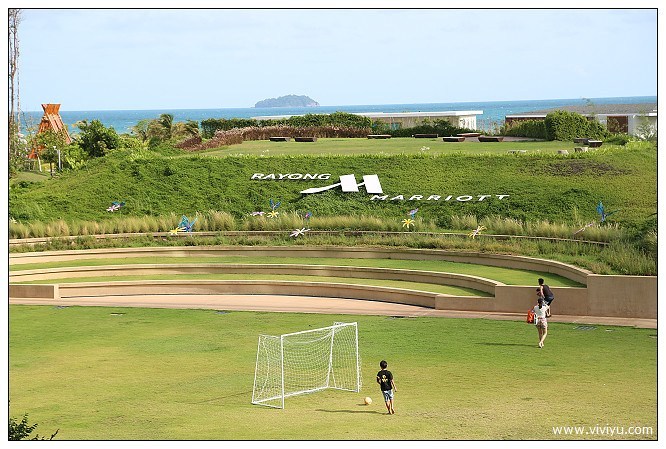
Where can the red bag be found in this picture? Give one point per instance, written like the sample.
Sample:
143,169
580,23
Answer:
530,316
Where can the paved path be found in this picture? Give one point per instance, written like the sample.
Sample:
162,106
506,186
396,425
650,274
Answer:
306,304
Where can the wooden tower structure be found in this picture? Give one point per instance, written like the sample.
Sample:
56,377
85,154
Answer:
51,121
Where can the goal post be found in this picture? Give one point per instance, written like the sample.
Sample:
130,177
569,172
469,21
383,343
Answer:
305,362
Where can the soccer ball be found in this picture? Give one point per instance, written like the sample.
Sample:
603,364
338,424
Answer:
368,400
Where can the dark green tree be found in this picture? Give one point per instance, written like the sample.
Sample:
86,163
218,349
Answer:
96,139
566,126
22,430
52,143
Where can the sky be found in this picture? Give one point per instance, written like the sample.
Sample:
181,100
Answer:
121,59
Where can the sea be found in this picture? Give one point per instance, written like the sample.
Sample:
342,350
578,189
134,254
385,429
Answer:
493,111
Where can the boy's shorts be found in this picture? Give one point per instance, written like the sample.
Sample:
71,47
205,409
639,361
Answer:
388,395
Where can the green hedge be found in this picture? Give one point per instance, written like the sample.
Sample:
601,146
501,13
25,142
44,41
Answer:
209,126
535,129
339,119
440,127
566,126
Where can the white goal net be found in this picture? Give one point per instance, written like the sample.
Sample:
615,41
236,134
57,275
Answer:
305,362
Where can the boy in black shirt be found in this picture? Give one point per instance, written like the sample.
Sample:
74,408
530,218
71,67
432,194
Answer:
385,381
547,294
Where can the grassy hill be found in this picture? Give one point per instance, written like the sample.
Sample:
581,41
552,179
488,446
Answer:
540,186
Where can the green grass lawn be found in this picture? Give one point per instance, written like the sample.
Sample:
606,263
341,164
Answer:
32,176
99,373
348,147
505,275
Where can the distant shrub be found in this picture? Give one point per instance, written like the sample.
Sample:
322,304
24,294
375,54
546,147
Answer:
220,139
210,126
566,126
618,139
189,142
535,129
440,127
342,120
336,119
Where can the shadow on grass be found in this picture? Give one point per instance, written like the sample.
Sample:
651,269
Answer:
507,344
373,412
242,393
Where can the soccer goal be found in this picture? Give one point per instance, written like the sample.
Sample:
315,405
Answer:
305,362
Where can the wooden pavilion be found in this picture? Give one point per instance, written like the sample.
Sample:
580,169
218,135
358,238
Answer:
51,121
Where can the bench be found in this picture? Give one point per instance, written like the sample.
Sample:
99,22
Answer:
425,136
491,138
453,139
582,140
580,149
379,136
468,134
594,143
562,152
279,139
305,139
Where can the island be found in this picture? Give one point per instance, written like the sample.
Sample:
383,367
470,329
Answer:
287,101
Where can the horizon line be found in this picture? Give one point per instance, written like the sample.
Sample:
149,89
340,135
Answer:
347,105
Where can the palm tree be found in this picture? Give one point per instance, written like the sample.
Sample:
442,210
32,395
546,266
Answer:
189,128
141,129
166,122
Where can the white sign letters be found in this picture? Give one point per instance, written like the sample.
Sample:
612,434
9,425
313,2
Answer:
349,183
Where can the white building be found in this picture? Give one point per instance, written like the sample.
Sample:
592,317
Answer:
633,119
459,119
397,120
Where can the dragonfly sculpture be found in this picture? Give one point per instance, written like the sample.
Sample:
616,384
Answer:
601,210
274,205
116,205
476,231
185,225
296,232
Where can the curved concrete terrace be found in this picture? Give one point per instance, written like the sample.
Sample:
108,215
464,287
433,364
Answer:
499,260
426,277
621,297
